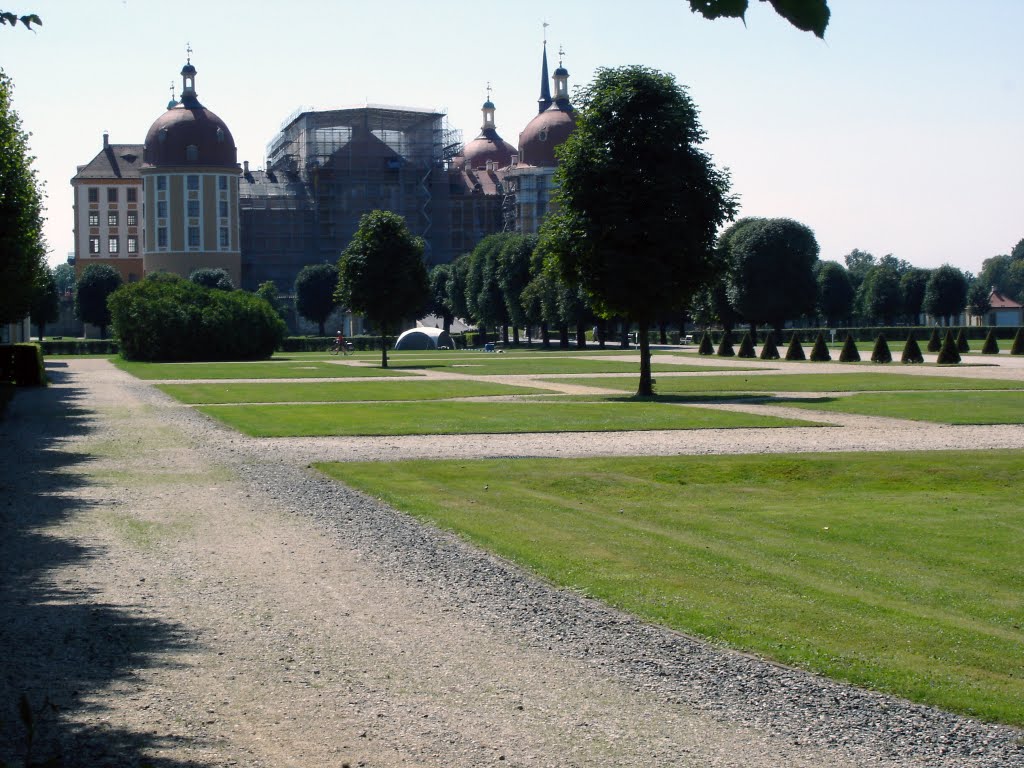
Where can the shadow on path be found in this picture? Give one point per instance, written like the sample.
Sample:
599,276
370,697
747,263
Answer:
61,644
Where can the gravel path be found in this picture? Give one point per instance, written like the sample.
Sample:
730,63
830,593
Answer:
186,596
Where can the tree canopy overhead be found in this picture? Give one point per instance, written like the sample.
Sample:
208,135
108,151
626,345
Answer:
382,275
808,15
639,202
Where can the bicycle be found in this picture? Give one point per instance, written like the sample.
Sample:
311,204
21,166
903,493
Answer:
344,348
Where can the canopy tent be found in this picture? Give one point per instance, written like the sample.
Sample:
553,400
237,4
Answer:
424,338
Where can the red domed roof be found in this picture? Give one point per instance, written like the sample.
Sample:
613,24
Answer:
189,135
546,131
487,147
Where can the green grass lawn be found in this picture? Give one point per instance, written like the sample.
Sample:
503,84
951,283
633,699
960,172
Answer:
897,572
338,391
813,382
483,364
940,407
460,417
277,368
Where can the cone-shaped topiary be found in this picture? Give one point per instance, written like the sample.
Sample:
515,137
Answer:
849,352
961,342
820,353
991,346
795,350
705,347
746,346
1018,343
948,355
725,346
881,353
934,342
768,350
911,351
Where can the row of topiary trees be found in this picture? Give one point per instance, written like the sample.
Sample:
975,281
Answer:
949,348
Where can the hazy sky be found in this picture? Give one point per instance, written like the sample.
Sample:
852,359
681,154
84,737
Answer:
902,132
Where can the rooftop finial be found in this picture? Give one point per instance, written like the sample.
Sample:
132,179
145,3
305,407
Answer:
545,25
188,51
488,90
561,53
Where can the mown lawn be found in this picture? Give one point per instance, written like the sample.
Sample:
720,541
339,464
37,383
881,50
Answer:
897,572
939,407
338,391
460,417
276,368
875,381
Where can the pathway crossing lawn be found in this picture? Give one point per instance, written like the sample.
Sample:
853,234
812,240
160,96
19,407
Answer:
465,418
276,368
339,391
940,407
898,572
483,364
875,381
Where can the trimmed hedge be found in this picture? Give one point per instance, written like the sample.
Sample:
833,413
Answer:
1018,343
795,351
961,342
59,346
746,347
990,347
725,346
705,347
949,354
22,365
881,353
849,353
934,341
820,353
176,320
911,352
768,350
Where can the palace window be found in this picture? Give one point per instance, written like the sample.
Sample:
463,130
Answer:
94,219
133,244
111,194
112,245
94,245
112,219
133,219
94,194
161,209
161,237
193,237
192,182
193,209
131,194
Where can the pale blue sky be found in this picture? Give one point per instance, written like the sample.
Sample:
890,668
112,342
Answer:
902,132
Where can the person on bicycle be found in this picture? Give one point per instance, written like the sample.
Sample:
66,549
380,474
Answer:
339,343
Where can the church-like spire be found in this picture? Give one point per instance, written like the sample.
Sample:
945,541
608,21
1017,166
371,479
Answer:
561,78
188,82
174,101
545,90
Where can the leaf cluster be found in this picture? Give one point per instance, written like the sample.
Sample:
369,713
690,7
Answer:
806,15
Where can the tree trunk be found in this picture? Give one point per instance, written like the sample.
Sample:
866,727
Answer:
447,322
581,336
322,331
663,331
42,329
383,349
602,332
515,335
563,336
646,388
753,333
504,334
545,336
625,335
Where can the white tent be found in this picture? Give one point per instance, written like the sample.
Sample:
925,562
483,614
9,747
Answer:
424,338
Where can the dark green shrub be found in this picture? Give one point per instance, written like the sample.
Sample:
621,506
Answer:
934,342
881,353
768,350
961,342
820,353
725,346
948,354
795,350
180,320
213,277
911,351
1018,343
849,353
705,347
22,365
991,346
57,346
746,347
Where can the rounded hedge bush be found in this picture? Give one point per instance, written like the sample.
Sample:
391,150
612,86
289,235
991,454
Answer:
174,319
746,346
820,353
849,353
706,347
911,351
768,350
881,353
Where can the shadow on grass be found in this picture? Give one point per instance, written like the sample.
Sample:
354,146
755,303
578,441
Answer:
61,646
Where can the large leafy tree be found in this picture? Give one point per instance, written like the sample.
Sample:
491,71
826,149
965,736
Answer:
315,292
457,282
97,282
945,296
808,15
771,271
514,274
858,263
484,297
835,292
267,290
912,286
880,297
639,202
22,249
64,275
382,275
212,277
45,300
440,304
978,299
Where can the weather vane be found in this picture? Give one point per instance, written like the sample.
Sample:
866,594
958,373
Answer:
172,90
488,90
561,53
188,50
545,25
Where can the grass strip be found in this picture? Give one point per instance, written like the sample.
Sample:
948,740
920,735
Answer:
462,418
339,391
938,407
896,572
261,369
875,381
